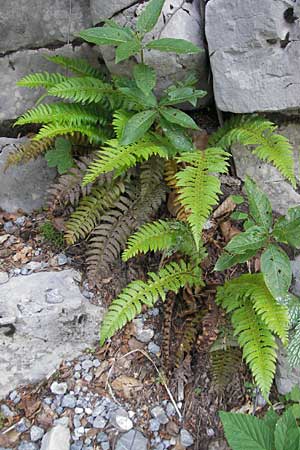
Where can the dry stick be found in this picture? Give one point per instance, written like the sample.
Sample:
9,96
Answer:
157,370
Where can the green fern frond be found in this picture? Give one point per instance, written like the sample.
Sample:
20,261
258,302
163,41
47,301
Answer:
90,210
199,187
119,158
67,113
129,303
43,79
257,131
27,151
120,119
82,90
78,66
156,236
94,134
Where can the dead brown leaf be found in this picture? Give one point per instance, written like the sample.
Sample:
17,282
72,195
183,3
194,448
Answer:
128,386
228,230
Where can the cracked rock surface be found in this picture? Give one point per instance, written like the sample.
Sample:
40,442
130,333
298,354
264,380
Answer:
254,54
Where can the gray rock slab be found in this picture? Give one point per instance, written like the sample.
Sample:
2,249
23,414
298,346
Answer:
182,22
281,193
286,377
254,55
57,438
39,335
36,23
101,10
16,100
23,186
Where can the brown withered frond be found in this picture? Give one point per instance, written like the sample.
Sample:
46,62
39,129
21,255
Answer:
28,151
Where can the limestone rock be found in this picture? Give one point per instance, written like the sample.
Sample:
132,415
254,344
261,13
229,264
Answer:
101,10
57,438
23,186
132,440
16,100
40,334
281,193
176,21
254,55
36,23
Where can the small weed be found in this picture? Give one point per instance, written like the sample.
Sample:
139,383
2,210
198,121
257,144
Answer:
51,235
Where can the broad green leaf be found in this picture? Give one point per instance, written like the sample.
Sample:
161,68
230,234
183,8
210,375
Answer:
294,395
127,49
137,96
287,229
149,16
145,77
246,432
259,205
238,215
238,199
271,419
137,126
176,135
60,156
252,239
277,271
227,260
178,117
173,45
286,432
181,95
106,35
248,224
296,411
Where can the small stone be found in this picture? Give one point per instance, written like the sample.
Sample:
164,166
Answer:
153,312
88,377
170,409
210,432
77,420
154,425
132,440
87,364
6,411
153,348
69,401
57,438
77,367
78,410
120,420
101,437
23,425
79,432
58,388
36,433
53,296
105,445
25,445
62,259
96,363
87,294
64,421
144,335
186,439
48,400
77,375
99,422
9,227
24,271
88,411
158,413
77,445
260,401
33,265
20,221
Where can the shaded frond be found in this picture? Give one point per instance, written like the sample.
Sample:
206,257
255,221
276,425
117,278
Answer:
90,210
224,364
43,79
189,336
199,186
82,90
269,145
27,151
293,349
78,66
129,303
94,134
67,113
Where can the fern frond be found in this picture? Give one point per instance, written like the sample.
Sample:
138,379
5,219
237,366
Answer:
224,364
94,134
78,66
27,151
82,90
65,113
293,349
189,336
199,187
155,236
43,79
90,210
120,119
270,146
119,158
129,303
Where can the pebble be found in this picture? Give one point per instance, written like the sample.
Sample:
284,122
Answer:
101,437
34,265
170,409
99,422
210,432
144,335
186,439
24,271
58,388
153,348
14,395
105,445
158,413
154,425
160,447
25,445
132,440
6,411
36,433
153,312
88,377
76,445
69,401
78,410
77,420
9,227
120,420
87,364
20,221
77,367
96,363
23,425
62,259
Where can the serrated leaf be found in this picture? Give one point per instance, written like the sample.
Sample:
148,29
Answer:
145,78
238,199
172,45
246,432
181,95
227,260
60,156
287,229
259,205
137,96
127,49
294,395
178,117
106,35
270,419
149,16
137,126
252,239
238,215
277,271
287,433
176,135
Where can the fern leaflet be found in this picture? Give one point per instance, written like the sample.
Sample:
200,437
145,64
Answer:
94,134
43,79
82,90
79,66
